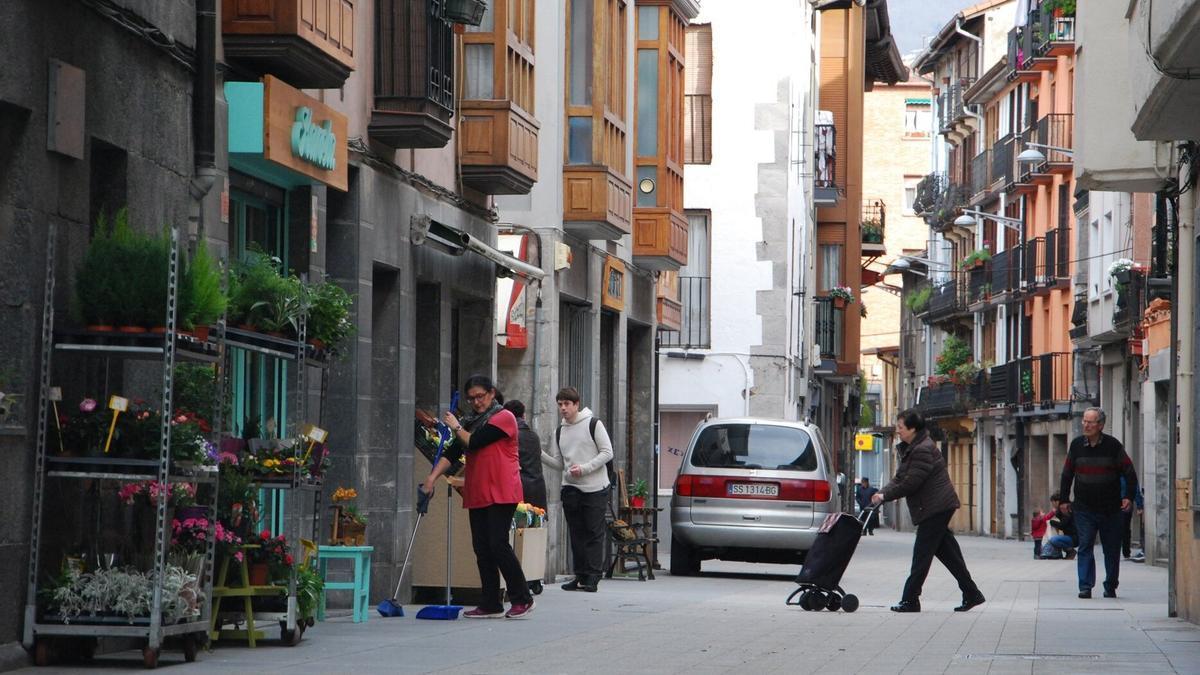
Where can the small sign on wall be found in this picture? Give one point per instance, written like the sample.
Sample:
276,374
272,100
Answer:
612,292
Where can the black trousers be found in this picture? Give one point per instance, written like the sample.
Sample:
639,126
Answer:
935,539
494,556
1126,532
584,512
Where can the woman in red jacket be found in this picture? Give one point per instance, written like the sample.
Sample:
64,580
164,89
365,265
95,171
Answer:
491,492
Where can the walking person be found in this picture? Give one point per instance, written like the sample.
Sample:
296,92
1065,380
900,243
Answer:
924,482
1095,464
533,483
491,491
862,495
582,450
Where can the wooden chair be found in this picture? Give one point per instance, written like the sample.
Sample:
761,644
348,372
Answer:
636,545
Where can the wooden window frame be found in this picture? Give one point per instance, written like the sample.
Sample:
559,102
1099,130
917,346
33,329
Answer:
512,40
667,160
607,110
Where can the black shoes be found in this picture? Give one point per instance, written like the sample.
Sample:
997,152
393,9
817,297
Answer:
1085,595
973,601
587,584
1110,594
572,585
907,606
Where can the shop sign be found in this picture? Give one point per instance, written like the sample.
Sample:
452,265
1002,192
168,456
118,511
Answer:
612,292
303,134
865,442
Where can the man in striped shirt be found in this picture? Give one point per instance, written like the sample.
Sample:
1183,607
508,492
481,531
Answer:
1095,464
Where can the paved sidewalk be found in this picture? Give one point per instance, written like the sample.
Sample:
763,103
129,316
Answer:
732,619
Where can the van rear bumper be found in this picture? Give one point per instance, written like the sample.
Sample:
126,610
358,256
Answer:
741,536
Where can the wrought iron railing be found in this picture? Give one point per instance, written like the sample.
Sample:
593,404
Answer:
829,326
695,325
874,220
945,302
1002,162
1079,316
1055,262
1056,130
928,192
981,174
825,156
979,283
1049,29
1130,301
1034,263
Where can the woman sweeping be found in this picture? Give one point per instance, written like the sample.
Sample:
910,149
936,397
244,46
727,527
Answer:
491,491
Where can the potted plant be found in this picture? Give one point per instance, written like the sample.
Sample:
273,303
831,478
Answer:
285,301
96,300
637,493
1027,382
329,316
349,526
1121,270
918,301
842,295
468,12
976,259
985,291
1059,8
253,279
872,233
956,352
201,300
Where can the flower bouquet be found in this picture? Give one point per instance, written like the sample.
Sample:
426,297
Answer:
270,557
349,526
528,515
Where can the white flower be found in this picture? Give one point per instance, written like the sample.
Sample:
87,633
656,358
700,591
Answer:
1120,265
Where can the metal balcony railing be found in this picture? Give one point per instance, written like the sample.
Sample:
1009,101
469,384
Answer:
981,174
1002,162
1002,267
1001,389
1052,378
945,302
825,156
695,329
941,399
1057,130
928,192
1020,45
874,221
829,327
979,283
1079,317
1131,301
1049,29
1033,265
1056,263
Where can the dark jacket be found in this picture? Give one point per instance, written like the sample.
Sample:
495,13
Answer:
1065,523
863,496
1096,472
922,479
532,481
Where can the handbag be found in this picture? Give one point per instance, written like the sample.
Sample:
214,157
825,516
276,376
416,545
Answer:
621,530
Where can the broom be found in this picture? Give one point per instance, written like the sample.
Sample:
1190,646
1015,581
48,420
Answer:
392,606
446,612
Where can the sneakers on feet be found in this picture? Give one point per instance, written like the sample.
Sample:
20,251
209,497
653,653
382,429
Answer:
481,613
1085,595
572,585
519,611
1110,594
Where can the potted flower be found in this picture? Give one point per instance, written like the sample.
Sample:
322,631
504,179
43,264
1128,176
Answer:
467,12
918,301
638,492
842,295
976,259
270,558
1121,270
872,232
349,526
985,291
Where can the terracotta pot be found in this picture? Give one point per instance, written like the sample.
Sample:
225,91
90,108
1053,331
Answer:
258,574
132,330
637,502
100,328
275,333
246,326
839,303
158,330
318,343
201,333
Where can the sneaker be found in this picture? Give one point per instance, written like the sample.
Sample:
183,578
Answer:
1139,557
1109,594
519,611
1085,595
572,585
1071,554
481,613
590,584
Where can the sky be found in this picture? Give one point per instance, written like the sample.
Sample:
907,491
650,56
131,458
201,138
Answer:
913,20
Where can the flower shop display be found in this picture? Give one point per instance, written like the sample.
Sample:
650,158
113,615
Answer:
127,593
270,558
349,526
528,515
201,299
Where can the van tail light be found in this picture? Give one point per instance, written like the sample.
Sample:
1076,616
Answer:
717,487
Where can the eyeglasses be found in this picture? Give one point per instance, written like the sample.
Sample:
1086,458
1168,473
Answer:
475,399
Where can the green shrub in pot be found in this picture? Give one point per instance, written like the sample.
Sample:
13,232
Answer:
329,315
96,301
201,300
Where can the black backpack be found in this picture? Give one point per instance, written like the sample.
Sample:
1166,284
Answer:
612,471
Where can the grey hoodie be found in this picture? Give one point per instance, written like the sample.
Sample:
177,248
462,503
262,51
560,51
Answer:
579,448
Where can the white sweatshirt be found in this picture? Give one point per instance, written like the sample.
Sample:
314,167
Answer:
578,447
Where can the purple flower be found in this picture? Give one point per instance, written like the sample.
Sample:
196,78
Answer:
87,405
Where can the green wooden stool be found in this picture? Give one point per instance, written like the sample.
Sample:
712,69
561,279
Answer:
360,586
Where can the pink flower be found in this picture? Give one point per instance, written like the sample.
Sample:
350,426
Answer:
87,405
238,556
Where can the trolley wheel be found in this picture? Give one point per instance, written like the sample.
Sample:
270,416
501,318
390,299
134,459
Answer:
834,603
536,587
849,603
814,601
310,622
190,648
291,638
150,657
43,654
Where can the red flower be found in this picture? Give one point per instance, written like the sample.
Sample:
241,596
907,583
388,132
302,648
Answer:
287,559
264,535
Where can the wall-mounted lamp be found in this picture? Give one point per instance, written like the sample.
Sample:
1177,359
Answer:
970,218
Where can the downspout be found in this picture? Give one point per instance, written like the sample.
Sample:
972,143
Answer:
971,36
204,107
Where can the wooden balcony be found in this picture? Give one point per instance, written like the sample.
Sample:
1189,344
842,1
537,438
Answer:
669,313
414,76
499,147
597,202
307,43
660,238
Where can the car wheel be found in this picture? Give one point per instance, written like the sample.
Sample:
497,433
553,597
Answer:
684,561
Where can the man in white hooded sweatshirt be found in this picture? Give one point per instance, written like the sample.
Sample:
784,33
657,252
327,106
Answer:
581,450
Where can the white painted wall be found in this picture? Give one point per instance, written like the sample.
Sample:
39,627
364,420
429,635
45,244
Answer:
751,58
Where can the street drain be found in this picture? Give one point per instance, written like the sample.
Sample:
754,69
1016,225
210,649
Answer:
1032,657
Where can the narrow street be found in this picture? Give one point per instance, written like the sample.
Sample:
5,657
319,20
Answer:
732,619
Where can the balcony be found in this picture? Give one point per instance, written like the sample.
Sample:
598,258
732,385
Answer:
1079,317
946,302
829,328
826,191
981,177
1001,388
1020,54
874,218
1026,177
956,123
414,76
660,238
307,43
1053,36
667,309
1033,264
499,147
1163,84
941,399
1002,163
1051,380
1131,303
694,330
597,202
979,287
1056,262
1006,271
1057,130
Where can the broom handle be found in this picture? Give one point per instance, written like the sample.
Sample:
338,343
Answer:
449,546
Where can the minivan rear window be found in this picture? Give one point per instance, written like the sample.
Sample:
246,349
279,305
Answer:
755,446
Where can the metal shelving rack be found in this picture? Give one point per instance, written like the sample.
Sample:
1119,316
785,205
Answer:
39,630
297,352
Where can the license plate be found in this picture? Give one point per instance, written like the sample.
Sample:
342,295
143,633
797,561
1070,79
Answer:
753,489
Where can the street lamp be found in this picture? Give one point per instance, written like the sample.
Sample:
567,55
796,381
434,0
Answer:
1030,155
904,264
970,217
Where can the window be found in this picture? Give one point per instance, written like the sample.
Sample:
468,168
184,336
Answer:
829,267
697,95
910,193
755,446
596,89
695,288
658,149
918,118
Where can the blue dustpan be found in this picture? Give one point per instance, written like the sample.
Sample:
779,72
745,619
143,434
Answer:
440,612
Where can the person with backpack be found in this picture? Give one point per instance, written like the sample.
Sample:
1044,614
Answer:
582,451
